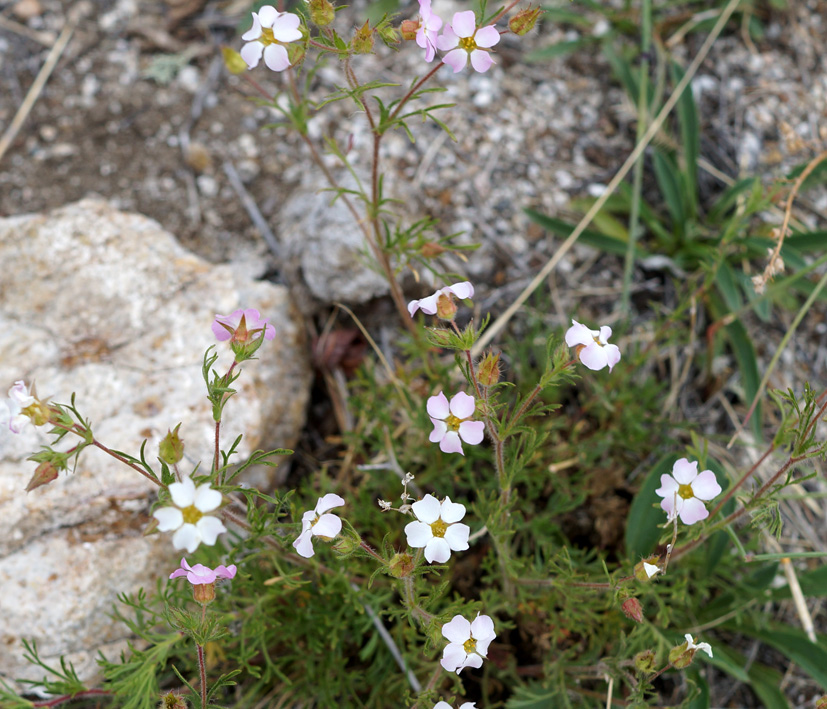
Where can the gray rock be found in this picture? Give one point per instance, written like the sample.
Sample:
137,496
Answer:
108,305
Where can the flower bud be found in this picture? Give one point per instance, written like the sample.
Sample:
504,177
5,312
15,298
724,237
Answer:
401,565
408,30
233,61
440,337
171,448
171,700
362,42
446,308
347,543
523,22
431,249
321,12
488,373
203,593
632,609
43,475
821,703
388,34
645,662
645,570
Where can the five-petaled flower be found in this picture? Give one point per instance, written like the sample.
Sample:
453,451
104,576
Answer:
319,523
11,410
685,491
451,422
242,326
440,300
199,574
593,348
438,529
271,30
463,40
428,29
189,518
691,645
468,642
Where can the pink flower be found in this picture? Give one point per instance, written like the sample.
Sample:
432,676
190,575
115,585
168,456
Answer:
430,305
271,30
463,40
11,410
685,491
429,26
593,348
200,574
316,523
437,528
451,422
242,326
468,642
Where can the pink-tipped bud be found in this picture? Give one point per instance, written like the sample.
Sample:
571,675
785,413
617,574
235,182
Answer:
44,473
632,609
408,29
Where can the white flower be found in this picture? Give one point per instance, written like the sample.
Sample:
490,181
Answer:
11,410
271,30
463,40
429,305
445,705
685,491
189,517
437,529
593,348
690,645
650,569
468,642
316,523
451,422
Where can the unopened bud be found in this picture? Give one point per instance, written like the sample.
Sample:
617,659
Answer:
408,29
440,337
347,543
431,249
446,308
645,662
233,61
171,448
43,475
203,593
523,22
388,34
321,12
632,609
488,373
171,700
401,565
362,42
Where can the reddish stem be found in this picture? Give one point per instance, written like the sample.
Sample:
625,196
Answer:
57,701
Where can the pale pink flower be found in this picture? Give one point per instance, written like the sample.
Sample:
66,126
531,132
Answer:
188,518
451,422
593,348
318,523
11,410
199,574
685,491
429,305
468,642
225,327
463,40
438,529
271,30
429,26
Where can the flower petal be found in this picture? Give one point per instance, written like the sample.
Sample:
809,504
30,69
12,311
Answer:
437,550
472,660
183,493
255,31
481,61
464,24
457,630
225,572
456,536
209,528
450,443
668,486
440,429
693,510
594,356
250,53
451,511
327,526
206,499
605,333
453,657
462,405
579,334
267,14
169,518
472,432
685,472
438,406
612,355
275,57
419,534
487,36
705,486
447,40
462,290
303,545
187,537
200,574
427,509
286,28
328,502
482,628
457,59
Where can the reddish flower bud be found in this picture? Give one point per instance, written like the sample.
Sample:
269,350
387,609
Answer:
408,29
43,475
632,609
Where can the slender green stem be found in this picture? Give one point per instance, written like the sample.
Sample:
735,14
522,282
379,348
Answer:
57,701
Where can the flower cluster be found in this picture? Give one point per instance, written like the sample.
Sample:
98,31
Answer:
461,39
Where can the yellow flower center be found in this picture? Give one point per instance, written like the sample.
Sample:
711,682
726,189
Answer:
453,422
438,528
470,645
685,491
468,44
267,36
191,514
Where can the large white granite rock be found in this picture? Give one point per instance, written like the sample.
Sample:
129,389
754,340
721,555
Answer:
109,306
